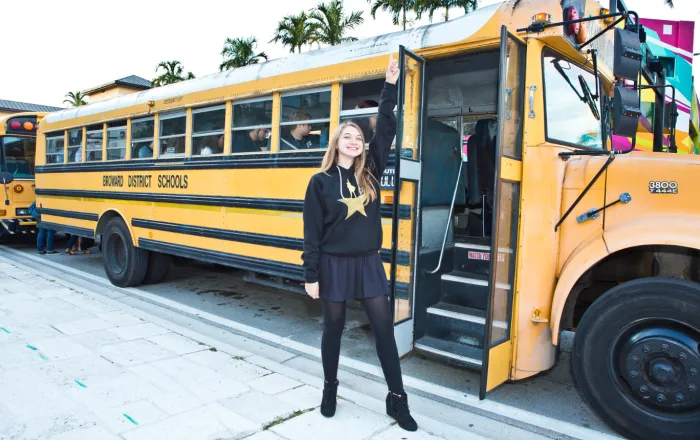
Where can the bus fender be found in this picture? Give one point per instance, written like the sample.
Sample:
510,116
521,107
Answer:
107,215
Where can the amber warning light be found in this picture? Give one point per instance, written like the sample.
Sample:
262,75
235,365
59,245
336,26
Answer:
542,18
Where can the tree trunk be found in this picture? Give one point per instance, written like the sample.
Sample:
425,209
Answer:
447,13
404,18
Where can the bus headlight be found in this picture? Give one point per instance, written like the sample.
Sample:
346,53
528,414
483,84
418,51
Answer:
22,211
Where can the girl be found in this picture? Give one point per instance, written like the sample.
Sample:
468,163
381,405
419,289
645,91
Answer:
342,239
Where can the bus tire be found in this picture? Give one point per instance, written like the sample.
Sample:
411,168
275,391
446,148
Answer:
636,358
125,264
158,267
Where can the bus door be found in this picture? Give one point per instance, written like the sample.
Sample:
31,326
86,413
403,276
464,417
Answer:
498,342
407,174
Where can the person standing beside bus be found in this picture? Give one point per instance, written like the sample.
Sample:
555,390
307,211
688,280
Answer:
342,239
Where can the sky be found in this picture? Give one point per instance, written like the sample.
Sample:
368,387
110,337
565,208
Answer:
59,46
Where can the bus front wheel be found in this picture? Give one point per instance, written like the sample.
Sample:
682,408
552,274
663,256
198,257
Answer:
125,264
636,358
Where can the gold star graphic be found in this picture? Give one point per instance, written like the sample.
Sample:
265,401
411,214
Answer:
355,204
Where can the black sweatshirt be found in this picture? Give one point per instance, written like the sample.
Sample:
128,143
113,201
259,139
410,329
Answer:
327,227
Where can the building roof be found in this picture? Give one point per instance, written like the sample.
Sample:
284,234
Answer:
132,81
16,106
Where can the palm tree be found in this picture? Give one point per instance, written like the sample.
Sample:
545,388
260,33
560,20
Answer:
172,73
398,9
75,99
240,52
295,31
332,23
432,5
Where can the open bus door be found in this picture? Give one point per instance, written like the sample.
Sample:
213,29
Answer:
498,339
407,174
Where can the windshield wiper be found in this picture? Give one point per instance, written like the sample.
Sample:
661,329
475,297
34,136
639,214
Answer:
586,98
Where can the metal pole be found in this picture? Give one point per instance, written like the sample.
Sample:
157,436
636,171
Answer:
659,108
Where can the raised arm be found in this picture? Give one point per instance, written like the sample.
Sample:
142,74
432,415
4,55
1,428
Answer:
380,144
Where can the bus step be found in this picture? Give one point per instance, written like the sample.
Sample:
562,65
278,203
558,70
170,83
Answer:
450,352
466,289
456,323
472,255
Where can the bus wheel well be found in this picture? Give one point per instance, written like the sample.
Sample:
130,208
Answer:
104,219
627,265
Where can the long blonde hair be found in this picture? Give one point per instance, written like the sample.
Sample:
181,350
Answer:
364,176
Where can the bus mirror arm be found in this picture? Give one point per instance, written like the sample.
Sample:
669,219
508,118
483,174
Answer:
607,163
6,178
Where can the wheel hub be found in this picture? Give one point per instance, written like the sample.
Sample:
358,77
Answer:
662,371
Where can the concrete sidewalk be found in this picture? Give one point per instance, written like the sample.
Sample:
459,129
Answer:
77,365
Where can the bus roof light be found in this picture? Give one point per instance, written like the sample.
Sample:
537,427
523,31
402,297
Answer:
15,125
541,18
28,125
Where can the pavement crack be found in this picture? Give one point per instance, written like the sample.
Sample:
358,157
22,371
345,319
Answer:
283,419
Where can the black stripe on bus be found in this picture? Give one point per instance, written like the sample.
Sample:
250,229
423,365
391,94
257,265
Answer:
229,202
260,265
254,161
68,214
72,230
295,244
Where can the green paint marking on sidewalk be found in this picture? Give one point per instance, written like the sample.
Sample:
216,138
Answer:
80,383
5,330
43,356
130,419
32,348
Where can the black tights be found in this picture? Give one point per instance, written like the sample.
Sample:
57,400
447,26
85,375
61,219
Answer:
378,310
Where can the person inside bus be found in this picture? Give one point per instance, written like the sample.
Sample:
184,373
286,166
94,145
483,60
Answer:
368,125
145,151
299,137
253,141
342,240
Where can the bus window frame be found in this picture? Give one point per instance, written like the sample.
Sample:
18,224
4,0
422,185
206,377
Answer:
549,51
180,113
268,127
152,139
106,139
193,135
102,135
328,88
80,146
51,136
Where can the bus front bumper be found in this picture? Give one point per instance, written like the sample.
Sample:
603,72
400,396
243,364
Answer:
17,226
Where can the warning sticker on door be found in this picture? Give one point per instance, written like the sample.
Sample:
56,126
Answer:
485,256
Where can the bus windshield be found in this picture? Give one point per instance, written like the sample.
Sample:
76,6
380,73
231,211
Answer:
18,156
572,116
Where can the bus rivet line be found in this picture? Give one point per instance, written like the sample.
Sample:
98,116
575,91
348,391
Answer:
660,398
679,397
634,374
643,389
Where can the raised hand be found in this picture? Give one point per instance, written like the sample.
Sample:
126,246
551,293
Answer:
392,72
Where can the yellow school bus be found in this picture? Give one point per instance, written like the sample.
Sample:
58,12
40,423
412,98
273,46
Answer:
17,151
493,247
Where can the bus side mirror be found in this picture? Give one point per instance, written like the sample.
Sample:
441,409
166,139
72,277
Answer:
628,54
626,112
6,178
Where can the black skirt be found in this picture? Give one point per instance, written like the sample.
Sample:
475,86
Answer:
351,278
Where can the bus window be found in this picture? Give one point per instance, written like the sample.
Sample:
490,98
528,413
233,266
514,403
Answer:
569,119
19,156
142,138
116,140
54,148
172,134
75,145
93,143
359,104
208,130
252,123
305,120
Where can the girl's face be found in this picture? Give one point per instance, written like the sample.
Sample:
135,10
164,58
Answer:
351,142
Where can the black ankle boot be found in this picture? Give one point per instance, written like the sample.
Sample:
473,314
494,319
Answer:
330,391
397,407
